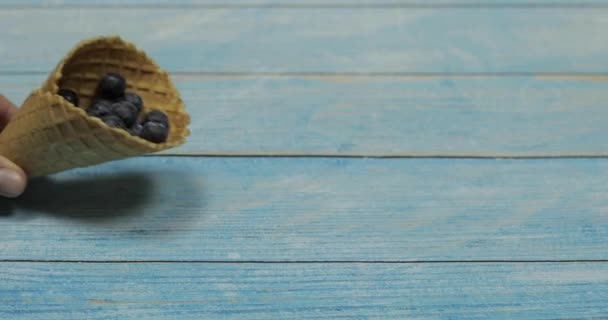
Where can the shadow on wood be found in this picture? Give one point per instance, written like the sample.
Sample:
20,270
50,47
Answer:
90,199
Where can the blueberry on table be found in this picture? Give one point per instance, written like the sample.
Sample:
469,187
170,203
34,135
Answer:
100,108
126,111
154,132
135,100
136,129
113,121
112,86
158,117
69,95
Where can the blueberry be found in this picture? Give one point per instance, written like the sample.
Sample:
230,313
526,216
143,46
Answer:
158,117
100,108
96,100
113,121
112,86
126,111
136,129
135,100
154,132
69,95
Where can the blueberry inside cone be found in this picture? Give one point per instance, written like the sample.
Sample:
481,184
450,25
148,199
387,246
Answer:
155,126
126,111
157,116
120,109
69,95
112,86
154,132
136,129
100,108
113,121
135,100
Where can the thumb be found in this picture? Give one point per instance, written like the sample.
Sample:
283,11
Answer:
12,179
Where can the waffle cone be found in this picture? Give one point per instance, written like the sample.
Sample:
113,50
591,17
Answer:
49,135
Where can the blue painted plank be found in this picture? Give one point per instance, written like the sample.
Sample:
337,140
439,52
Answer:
306,209
362,115
303,291
300,3
321,40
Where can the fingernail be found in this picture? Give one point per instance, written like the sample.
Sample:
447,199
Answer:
11,183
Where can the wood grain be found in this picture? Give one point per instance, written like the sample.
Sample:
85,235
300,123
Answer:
309,209
303,291
312,234
386,116
487,40
303,3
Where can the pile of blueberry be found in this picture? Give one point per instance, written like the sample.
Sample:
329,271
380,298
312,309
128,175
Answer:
120,109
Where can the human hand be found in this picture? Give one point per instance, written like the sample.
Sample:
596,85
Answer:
13,179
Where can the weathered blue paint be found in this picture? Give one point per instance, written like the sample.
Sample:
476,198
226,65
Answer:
379,116
300,3
49,291
321,40
291,209
326,78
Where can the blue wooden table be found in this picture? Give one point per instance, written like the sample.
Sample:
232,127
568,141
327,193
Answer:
359,159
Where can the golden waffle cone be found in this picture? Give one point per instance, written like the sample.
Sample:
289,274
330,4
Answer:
49,135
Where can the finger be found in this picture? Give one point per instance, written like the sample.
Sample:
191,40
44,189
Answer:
7,110
12,179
